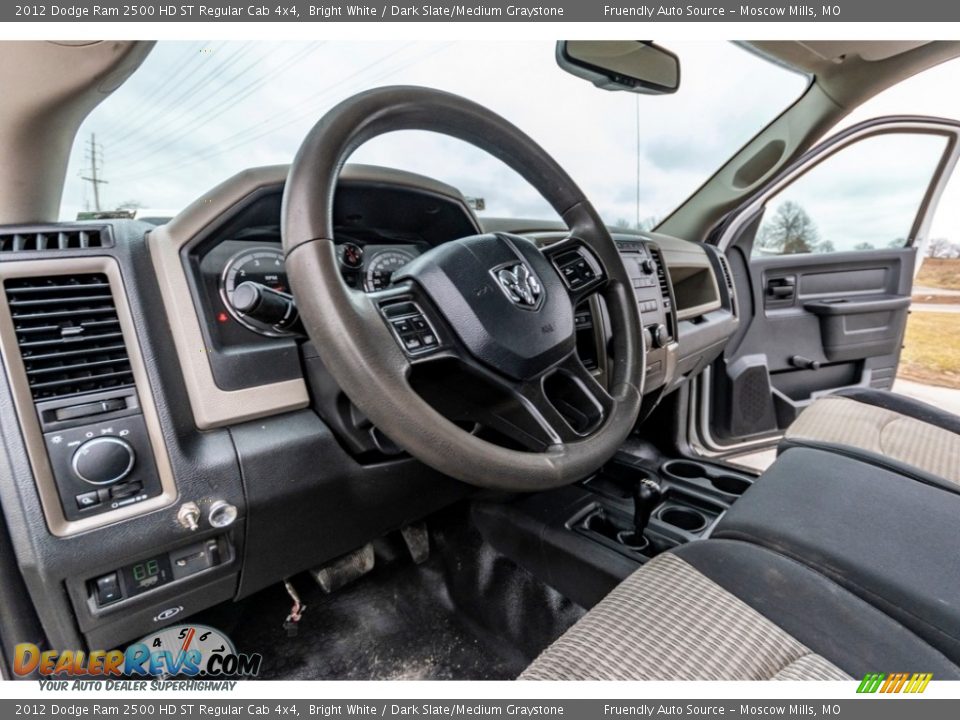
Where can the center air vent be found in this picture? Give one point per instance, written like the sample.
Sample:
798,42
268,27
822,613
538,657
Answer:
54,238
662,277
69,334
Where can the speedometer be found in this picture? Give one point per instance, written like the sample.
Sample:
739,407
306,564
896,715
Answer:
382,266
262,265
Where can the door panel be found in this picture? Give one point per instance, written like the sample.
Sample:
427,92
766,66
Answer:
814,320
842,326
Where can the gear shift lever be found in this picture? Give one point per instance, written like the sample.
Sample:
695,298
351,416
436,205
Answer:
647,494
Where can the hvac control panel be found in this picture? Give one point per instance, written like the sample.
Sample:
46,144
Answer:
99,452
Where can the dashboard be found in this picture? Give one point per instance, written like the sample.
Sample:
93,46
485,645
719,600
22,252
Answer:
183,452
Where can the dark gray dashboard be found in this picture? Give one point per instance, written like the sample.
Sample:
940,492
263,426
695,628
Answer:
237,417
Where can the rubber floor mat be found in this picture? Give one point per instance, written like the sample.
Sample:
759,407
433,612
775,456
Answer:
465,614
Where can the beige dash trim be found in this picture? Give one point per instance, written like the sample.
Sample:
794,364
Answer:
27,414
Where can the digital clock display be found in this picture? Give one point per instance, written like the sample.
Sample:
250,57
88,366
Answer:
144,570
146,575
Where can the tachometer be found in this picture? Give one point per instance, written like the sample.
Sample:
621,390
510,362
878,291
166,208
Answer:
382,266
263,265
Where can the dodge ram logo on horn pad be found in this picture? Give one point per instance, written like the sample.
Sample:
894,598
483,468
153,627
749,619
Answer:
520,285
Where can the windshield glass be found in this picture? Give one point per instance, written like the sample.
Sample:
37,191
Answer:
197,112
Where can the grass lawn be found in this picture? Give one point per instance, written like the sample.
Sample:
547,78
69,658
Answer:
931,352
939,273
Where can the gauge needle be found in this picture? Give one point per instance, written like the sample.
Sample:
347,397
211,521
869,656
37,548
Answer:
188,639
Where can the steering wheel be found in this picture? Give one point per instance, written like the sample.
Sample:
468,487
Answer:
478,332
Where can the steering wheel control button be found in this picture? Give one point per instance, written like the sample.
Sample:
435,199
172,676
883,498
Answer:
88,500
411,327
576,268
103,460
222,514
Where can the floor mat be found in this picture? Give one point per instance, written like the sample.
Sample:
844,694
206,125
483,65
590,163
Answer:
466,613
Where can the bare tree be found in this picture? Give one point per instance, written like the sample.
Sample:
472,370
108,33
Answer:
790,230
942,248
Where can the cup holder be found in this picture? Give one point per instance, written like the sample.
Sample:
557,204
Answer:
685,470
730,484
684,518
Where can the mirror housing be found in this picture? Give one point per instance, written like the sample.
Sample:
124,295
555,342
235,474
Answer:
636,66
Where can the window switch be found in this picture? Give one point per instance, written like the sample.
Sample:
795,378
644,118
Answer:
108,589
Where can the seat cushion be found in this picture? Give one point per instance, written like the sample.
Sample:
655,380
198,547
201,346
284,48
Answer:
892,543
729,610
885,429
668,621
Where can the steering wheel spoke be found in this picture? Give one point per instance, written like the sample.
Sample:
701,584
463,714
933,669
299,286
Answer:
563,405
579,267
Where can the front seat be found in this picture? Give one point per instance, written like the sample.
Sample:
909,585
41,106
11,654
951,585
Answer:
732,610
885,429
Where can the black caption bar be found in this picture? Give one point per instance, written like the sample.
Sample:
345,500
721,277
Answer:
446,11
197,707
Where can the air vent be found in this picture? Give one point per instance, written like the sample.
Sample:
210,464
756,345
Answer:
662,277
728,279
69,334
54,238
725,266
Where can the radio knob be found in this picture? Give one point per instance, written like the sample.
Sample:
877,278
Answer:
647,266
103,460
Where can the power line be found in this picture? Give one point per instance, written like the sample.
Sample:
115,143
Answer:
95,156
243,137
200,79
222,106
134,119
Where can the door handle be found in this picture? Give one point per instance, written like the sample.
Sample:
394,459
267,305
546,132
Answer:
781,288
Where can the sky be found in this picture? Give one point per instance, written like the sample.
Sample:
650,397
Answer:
197,112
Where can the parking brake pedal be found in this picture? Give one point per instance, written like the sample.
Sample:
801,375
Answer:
345,569
418,541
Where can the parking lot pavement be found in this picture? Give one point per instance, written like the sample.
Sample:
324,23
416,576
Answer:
944,398
935,307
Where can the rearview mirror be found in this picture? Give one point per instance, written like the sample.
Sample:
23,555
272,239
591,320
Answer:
634,65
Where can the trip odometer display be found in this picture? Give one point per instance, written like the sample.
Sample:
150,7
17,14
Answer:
382,266
262,265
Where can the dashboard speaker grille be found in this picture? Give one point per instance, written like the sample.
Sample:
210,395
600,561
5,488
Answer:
69,334
59,238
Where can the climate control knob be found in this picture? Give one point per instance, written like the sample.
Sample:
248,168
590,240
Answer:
103,460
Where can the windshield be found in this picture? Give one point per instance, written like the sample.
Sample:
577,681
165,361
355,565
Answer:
197,112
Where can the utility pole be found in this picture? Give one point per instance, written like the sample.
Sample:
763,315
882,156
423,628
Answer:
95,156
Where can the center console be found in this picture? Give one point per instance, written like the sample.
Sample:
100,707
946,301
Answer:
585,539
647,270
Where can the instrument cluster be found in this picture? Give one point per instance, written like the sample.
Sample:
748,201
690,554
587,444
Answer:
257,271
